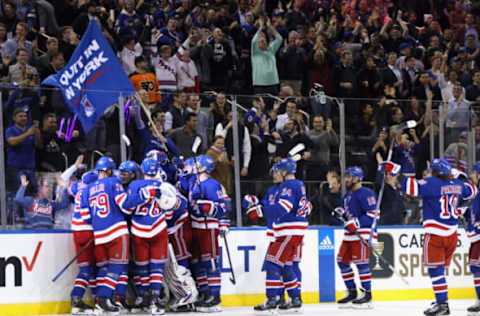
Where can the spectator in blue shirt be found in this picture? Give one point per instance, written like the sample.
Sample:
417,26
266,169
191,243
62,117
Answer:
21,149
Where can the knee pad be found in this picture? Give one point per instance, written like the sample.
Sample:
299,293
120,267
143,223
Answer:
270,267
116,269
363,268
436,271
288,273
343,266
475,269
210,265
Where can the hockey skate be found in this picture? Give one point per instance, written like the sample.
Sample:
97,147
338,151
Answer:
212,304
105,306
79,307
157,306
269,306
200,299
142,305
349,297
437,309
293,305
364,301
474,310
121,303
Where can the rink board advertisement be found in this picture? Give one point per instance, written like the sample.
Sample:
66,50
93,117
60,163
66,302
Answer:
29,261
403,248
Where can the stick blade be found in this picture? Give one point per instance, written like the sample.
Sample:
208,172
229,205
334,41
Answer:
411,124
233,281
296,149
196,144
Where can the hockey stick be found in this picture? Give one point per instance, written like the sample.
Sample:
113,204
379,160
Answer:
195,146
128,143
401,127
147,113
73,260
232,278
379,256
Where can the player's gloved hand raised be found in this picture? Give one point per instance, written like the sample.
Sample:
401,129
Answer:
255,212
339,212
178,163
149,192
224,227
249,201
352,225
207,207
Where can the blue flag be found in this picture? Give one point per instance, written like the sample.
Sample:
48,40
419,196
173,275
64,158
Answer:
93,78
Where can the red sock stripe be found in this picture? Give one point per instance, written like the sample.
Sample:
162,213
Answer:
214,281
274,283
123,278
365,277
476,282
348,276
156,278
81,283
440,287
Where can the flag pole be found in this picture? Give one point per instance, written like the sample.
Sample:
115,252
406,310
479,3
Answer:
147,113
121,118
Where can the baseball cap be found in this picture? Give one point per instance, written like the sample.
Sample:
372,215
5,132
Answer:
18,110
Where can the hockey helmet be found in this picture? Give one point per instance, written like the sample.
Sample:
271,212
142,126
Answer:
104,164
287,164
129,166
442,166
355,172
205,163
89,177
150,166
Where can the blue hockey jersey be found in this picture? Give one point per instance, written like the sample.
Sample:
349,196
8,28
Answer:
360,204
211,190
290,211
472,217
77,189
268,205
440,201
148,219
405,157
101,204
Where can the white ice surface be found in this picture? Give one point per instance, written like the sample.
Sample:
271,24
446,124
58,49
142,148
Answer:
401,308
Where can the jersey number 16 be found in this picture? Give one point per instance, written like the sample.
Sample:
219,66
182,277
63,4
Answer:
449,206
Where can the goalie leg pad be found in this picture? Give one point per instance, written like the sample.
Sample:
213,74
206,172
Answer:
273,282
290,281
347,275
365,276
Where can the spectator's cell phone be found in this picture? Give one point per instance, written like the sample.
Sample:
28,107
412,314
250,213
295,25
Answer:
36,123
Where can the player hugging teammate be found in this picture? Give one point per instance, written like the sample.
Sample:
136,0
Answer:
285,206
116,214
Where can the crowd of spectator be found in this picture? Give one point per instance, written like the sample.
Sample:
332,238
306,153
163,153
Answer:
388,60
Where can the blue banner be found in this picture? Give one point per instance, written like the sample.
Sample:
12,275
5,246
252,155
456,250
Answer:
93,78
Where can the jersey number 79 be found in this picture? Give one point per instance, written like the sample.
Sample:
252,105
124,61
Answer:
100,205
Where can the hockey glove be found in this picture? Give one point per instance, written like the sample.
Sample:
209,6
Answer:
178,163
255,212
207,207
149,192
476,225
224,226
339,212
352,225
250,200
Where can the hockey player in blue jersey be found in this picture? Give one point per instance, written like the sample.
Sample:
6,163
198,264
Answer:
441,196
150,202
82,238
101,205
472,217
164,164
39,210
287,210
358,212
129,171
209,203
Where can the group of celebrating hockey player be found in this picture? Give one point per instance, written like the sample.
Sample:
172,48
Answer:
168,215
118,212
